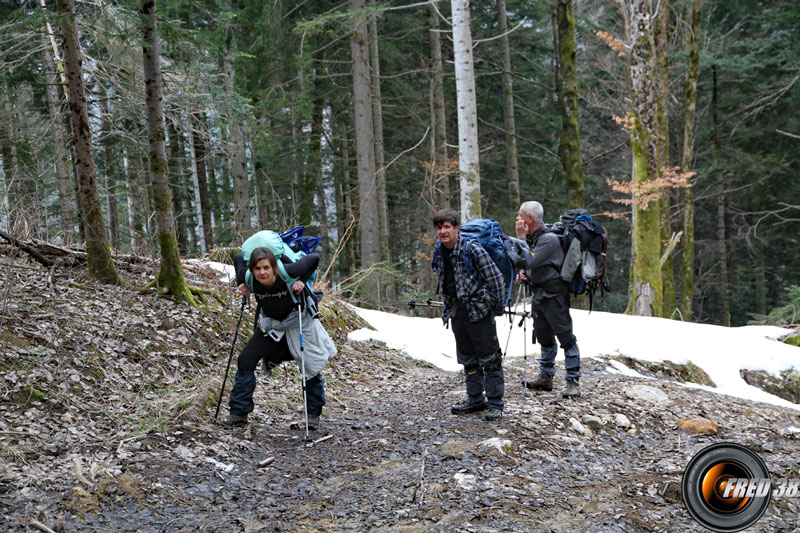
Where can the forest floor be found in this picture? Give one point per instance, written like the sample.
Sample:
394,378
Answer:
107,400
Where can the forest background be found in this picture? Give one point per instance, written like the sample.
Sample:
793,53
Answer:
673,122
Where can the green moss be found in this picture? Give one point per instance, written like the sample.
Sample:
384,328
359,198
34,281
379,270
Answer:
34,392
794,340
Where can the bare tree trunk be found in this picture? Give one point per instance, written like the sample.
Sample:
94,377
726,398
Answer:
98,252
200,155
66,204
241,198
440,176
468,154
170,276
377,120
662,127
345,186
687,194
365,144
571,158
724,290
646,296
133,194
322,209
313,166
175,186
108,168
512,167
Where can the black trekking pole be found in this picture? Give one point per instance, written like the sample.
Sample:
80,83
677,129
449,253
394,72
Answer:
428,303
303,366
511,319
525,340
230,357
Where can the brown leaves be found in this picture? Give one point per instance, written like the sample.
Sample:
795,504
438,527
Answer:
641,194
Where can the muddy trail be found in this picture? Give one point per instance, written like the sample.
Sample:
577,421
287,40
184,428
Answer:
107,399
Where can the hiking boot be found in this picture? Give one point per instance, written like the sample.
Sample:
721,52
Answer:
542,383
234,421
467,407
313,423
492,414
573,390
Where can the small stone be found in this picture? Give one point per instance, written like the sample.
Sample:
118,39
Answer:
621,421
592,421
644,393
580,428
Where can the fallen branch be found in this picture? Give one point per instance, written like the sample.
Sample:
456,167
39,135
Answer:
29,250
41,527
20,432
125,441
322,439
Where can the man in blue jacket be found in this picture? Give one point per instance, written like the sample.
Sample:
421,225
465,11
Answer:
473,295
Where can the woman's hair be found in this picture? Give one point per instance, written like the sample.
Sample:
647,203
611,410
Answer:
262,253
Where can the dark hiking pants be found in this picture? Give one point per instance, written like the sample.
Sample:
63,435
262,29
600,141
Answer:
552,320
274,353
478,349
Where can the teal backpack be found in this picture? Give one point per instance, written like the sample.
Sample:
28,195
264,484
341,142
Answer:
273,241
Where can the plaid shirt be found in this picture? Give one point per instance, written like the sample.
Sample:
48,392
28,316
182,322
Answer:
482,291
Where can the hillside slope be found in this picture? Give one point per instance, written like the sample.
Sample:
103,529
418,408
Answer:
107,399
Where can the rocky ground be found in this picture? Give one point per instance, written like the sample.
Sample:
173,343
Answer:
107,400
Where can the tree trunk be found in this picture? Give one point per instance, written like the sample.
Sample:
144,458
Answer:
512,166
724,291
241,199
213,189
345,187
468,155
108,168
571,158
377,121
175,187
322,207
200,155
66,204
440,174
313,166
365,143
133,193
646,296
662,125
170,276
98,252
687,156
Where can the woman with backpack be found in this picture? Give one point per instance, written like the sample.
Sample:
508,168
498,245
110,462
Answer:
277,337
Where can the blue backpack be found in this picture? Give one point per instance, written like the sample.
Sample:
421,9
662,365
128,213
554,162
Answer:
489,234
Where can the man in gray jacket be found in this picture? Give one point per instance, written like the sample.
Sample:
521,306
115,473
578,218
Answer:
542,272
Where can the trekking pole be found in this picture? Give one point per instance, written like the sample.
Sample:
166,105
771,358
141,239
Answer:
429,303
303,367
230,357
525,341
511,319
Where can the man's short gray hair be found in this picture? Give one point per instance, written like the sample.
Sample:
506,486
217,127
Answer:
533,209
